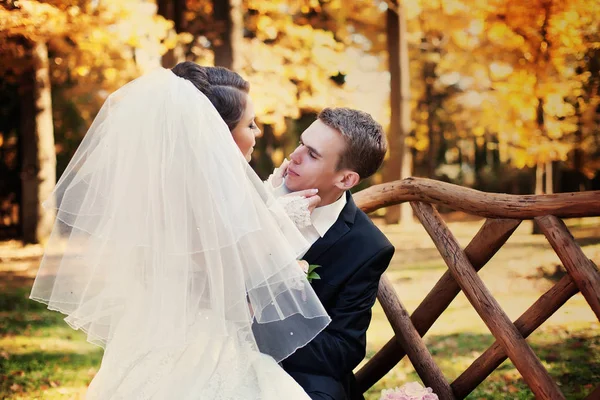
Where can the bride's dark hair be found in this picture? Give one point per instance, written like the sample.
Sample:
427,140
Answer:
225,89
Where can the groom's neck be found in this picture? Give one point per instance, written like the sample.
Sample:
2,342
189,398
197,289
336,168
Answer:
330,197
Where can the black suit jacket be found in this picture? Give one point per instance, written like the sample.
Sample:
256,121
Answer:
353,254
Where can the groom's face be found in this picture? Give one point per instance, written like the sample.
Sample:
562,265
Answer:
313,165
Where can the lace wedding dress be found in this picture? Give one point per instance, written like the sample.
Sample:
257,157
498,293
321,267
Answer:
210,367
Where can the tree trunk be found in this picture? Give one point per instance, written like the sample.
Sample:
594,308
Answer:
539,171
38,174
173,10
262,158
539,189
539,178
578,152
428,78
406,211
480,156
461,156
549,178
399,163
228,13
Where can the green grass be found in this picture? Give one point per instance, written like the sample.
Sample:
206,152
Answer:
40,355
572,357
42,358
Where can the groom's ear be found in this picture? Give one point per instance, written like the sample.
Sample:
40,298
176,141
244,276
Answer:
348,180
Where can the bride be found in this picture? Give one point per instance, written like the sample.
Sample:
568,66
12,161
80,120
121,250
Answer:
169,252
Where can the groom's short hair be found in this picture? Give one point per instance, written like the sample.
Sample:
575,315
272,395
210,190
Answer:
366,144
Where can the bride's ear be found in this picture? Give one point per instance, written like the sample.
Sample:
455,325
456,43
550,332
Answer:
348,180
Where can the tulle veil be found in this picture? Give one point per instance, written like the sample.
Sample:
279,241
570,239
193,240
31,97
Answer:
161,222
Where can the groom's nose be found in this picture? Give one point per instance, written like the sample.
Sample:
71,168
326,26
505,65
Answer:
295,156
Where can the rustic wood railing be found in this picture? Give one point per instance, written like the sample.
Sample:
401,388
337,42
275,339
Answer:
504,213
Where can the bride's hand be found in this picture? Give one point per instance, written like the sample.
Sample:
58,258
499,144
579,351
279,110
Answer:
303,265
311,195
280,173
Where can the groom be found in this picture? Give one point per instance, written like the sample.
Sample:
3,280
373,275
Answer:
335,153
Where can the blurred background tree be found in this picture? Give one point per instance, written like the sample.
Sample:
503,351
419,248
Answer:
70,55
497,95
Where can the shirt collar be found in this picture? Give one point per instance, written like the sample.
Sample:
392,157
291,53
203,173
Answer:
324,217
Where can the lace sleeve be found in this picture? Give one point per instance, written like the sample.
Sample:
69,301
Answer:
296,207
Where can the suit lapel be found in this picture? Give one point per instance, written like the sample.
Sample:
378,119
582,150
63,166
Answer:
335,233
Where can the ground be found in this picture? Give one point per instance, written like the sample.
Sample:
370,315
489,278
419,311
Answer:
41,357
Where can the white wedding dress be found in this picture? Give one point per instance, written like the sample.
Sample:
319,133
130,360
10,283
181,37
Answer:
208,367
169,252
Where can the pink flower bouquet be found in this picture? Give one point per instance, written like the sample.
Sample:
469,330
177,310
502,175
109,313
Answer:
409,391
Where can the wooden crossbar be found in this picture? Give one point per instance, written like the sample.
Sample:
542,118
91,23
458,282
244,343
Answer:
475,202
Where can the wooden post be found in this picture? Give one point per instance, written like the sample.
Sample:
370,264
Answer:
410,340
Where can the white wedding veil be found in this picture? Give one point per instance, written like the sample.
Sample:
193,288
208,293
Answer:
161,219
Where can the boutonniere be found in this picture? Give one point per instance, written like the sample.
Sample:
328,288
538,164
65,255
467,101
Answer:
309,270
